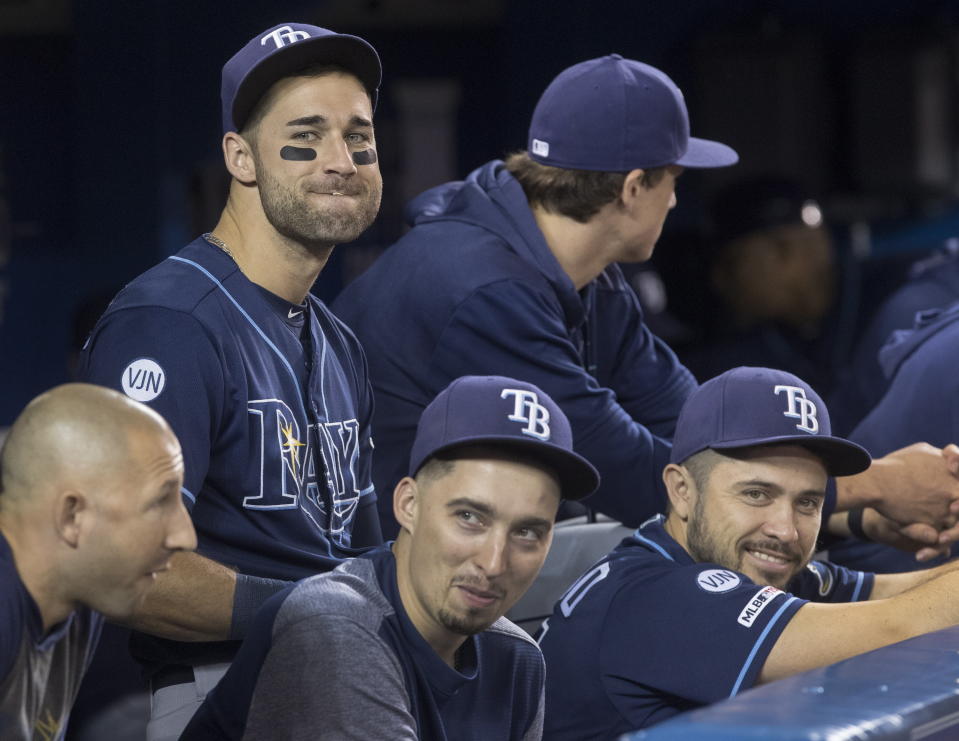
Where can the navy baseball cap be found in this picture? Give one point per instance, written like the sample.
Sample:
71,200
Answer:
615,115
282,50
746,407
495,410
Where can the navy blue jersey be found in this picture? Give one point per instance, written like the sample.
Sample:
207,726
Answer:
648,633
270,402
39,673
473,288
337,657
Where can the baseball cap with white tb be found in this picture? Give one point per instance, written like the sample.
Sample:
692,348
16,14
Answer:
615,115
506,413
281,51
747,407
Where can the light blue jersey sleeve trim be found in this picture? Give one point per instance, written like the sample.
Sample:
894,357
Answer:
189,496
655,546
758,643
860,578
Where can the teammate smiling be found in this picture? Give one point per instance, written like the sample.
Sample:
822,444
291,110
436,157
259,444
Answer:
408,642
721,593
90,512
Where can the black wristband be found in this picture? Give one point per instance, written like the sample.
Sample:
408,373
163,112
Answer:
855,524
251,592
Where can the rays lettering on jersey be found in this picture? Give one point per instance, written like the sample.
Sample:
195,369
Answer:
288,466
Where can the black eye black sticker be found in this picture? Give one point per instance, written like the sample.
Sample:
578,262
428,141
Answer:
299,154
364,157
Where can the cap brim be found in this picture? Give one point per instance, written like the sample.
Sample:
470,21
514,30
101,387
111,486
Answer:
703,153
577,476
841,457
349,52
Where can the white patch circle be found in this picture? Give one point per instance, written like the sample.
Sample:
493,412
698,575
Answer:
143,380
718,580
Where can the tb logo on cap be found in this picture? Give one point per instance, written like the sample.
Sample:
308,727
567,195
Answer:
526,408
284,35
799,407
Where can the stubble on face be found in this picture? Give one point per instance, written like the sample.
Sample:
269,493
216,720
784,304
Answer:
470,620
702,543
460,525
463,624
706,545
290,212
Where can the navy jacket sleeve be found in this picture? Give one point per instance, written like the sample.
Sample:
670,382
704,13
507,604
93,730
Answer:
649,382
507,329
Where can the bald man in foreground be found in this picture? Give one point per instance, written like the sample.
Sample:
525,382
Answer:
90,511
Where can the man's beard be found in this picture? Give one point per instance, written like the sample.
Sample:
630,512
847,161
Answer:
462,625
704,547
292,216
701,544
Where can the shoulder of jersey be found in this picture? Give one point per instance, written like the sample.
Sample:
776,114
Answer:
503,626
350,592
170,284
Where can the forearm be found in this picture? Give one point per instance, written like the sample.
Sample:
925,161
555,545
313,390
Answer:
838,525
860,490
890,585
366,526
822,634
916,537
192,601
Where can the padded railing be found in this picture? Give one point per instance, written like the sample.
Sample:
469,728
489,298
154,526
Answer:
907,691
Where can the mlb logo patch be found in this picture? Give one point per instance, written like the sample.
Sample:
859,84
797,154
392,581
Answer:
540,148
756,605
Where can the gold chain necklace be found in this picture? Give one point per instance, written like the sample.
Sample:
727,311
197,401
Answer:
213,239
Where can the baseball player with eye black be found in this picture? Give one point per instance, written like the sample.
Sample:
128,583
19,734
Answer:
265,388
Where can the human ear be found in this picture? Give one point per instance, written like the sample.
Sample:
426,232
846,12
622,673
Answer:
238,157
632,187
405,502
71,513
680,488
